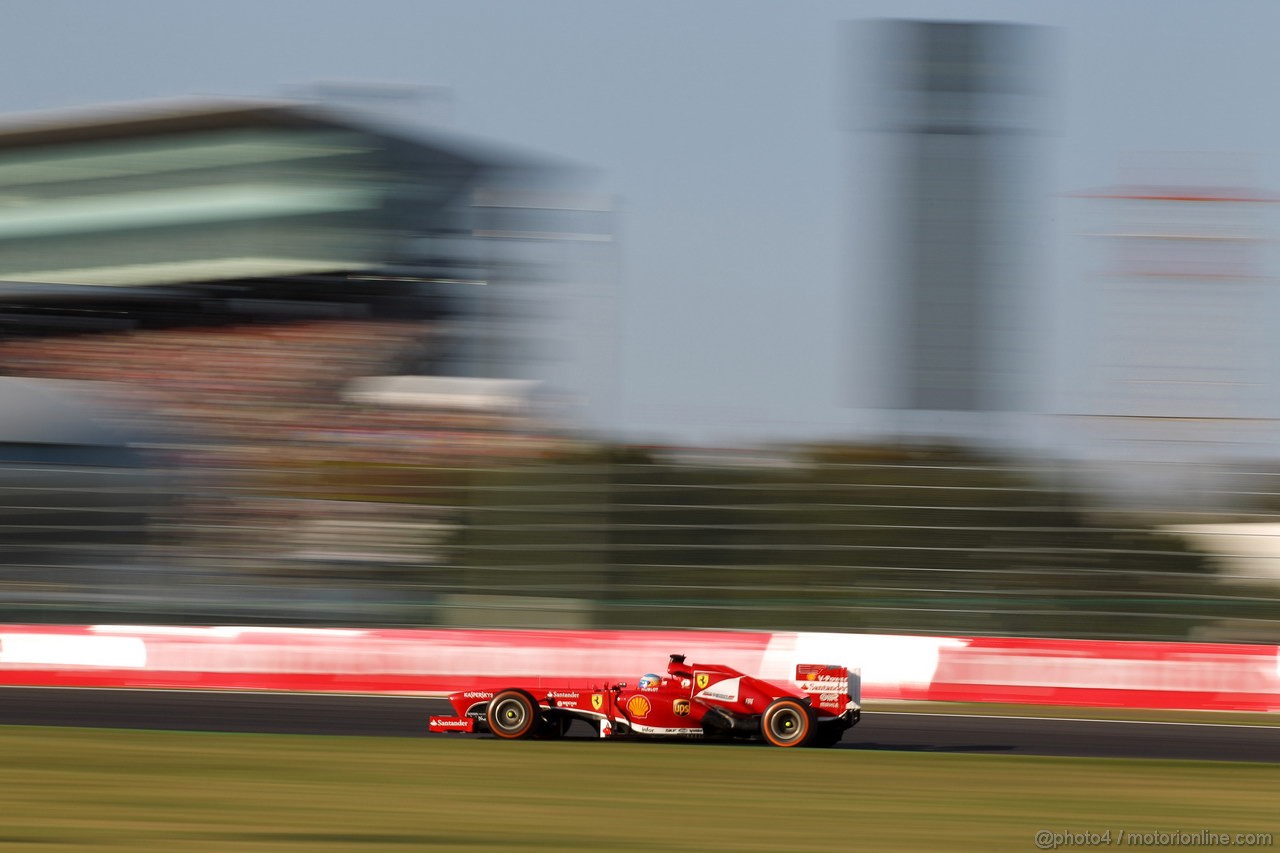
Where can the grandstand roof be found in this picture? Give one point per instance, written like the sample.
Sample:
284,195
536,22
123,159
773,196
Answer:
182,115
212,189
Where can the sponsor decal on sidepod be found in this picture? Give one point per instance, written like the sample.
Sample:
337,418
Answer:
639,706
725,691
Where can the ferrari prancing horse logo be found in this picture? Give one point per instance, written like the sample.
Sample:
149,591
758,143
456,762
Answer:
702,679
681,707
597,701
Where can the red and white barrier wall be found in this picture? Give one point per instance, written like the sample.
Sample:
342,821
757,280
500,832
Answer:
1060,672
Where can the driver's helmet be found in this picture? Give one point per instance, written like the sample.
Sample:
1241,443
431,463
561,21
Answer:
650,681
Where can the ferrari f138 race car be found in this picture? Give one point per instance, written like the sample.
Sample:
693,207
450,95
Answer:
691,700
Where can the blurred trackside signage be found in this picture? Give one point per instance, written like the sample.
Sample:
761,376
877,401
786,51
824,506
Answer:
443,392
54,650
1071,672
1157,667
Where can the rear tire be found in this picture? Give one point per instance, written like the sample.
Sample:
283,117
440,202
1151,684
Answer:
513,715
788,722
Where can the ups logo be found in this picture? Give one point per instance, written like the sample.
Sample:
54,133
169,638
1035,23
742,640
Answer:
597,701
702,679
681,707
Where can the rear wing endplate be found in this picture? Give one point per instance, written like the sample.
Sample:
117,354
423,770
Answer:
830,687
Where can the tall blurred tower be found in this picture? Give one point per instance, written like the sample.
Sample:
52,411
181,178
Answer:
961,103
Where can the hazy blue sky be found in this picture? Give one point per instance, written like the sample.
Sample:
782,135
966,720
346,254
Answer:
719,126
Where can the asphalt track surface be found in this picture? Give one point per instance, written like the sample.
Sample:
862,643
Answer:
385,716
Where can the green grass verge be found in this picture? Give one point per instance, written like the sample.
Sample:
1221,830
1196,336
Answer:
118,790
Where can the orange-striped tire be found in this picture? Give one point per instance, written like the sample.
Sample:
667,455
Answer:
513,714
788,722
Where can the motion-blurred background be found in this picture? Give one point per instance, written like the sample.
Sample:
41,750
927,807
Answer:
909,317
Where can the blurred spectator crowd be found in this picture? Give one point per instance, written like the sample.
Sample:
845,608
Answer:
256,394
269,460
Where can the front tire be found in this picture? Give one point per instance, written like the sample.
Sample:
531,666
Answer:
788,722
513,715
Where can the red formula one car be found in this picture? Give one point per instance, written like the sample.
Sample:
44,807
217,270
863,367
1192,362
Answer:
691,700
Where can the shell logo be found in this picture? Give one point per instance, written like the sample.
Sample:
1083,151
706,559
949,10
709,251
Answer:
639,706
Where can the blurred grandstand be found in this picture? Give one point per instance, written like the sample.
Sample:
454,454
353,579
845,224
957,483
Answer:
228,291
276,363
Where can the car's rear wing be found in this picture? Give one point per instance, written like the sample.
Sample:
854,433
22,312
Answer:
830,688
